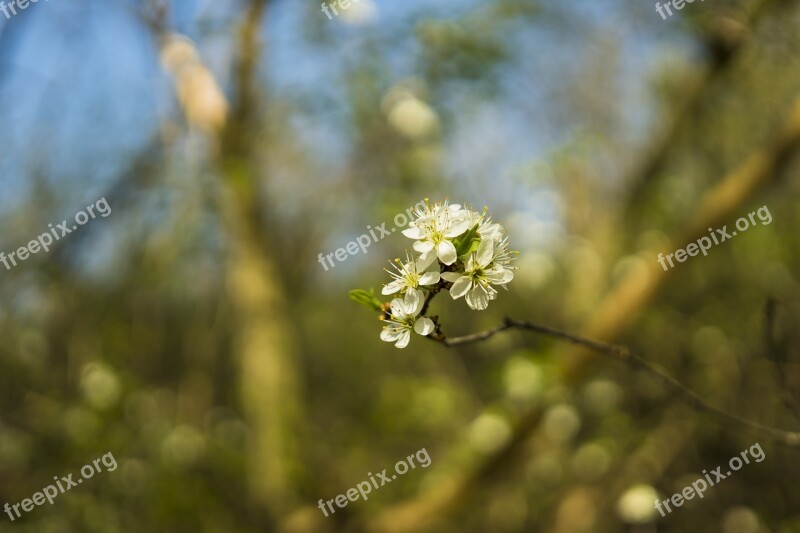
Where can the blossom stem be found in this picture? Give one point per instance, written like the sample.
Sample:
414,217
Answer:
428,299
621,353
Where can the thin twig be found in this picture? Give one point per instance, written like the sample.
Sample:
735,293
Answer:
622,353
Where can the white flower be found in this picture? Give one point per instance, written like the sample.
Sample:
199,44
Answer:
484,264
411,275
487,229
404,318
484,268
435,227
502,255
491,230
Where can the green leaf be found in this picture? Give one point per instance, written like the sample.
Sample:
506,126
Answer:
476,243
467,242
364,297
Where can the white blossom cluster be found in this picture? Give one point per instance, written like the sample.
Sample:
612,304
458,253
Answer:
456,249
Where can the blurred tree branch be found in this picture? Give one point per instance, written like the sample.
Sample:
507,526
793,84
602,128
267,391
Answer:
723,40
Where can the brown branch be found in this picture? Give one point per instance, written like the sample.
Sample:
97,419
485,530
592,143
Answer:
429,297
636,362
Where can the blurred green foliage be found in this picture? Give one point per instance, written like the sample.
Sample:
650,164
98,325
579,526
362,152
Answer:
194,335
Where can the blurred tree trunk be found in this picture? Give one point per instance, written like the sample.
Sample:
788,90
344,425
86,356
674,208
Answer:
264,338
264,342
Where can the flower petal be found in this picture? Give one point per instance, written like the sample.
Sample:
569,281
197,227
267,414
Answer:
413,232
423,246
389,334
457,227
491,231
405,336
392,287
485,252
451,276
397,307
471,266
460,287
413,302
425,260
447,252
477,298
424,326
429,278
499,275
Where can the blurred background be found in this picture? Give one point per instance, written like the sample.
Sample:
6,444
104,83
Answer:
194,335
